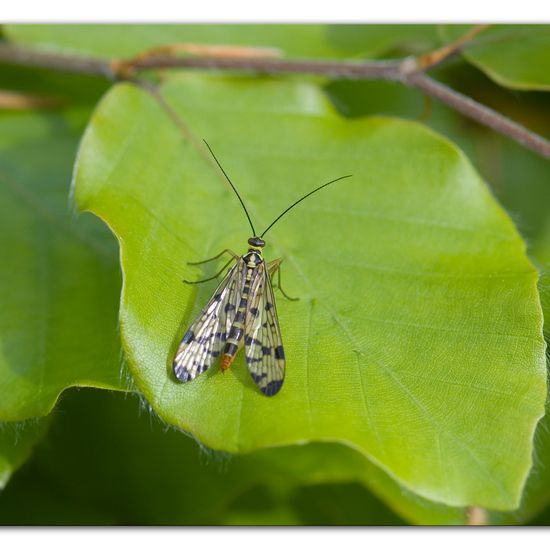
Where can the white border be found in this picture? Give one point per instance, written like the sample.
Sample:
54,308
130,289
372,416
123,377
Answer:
276,11
409,538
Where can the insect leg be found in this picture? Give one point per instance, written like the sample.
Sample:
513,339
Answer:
275,266
213,276
226,251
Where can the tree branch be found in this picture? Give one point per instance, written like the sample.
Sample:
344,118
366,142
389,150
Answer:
384,70
19,101
406,71
27,57
480,113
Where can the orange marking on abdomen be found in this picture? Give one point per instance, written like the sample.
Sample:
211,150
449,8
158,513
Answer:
226,361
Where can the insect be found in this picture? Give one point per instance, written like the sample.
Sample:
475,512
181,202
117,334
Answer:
241,312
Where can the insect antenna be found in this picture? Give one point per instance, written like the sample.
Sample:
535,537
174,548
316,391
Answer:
300,200
232,186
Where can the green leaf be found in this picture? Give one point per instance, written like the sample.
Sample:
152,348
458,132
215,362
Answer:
322,463
519,179
342,504
328,504
329,41
384,40
195,486
338,463
536,495
67,88
60,281
129,40
417,298
515,56
17,441
536,501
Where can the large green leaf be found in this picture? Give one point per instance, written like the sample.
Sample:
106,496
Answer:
418,336
60,280
50,141
518,178
333,462
515,56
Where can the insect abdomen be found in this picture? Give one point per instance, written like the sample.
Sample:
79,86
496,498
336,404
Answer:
235,336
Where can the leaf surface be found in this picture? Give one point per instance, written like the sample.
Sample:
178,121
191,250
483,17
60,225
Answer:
418,336
515,56
129,40
325,41
60,280
518,178
17,441
158,476
536,501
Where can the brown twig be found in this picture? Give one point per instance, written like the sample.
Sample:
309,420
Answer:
427,110
129,67
19,101
405,71
385,70
480,113
434,58
476,516
28,57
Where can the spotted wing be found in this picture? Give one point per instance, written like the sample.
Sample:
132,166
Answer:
203,341
263,343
